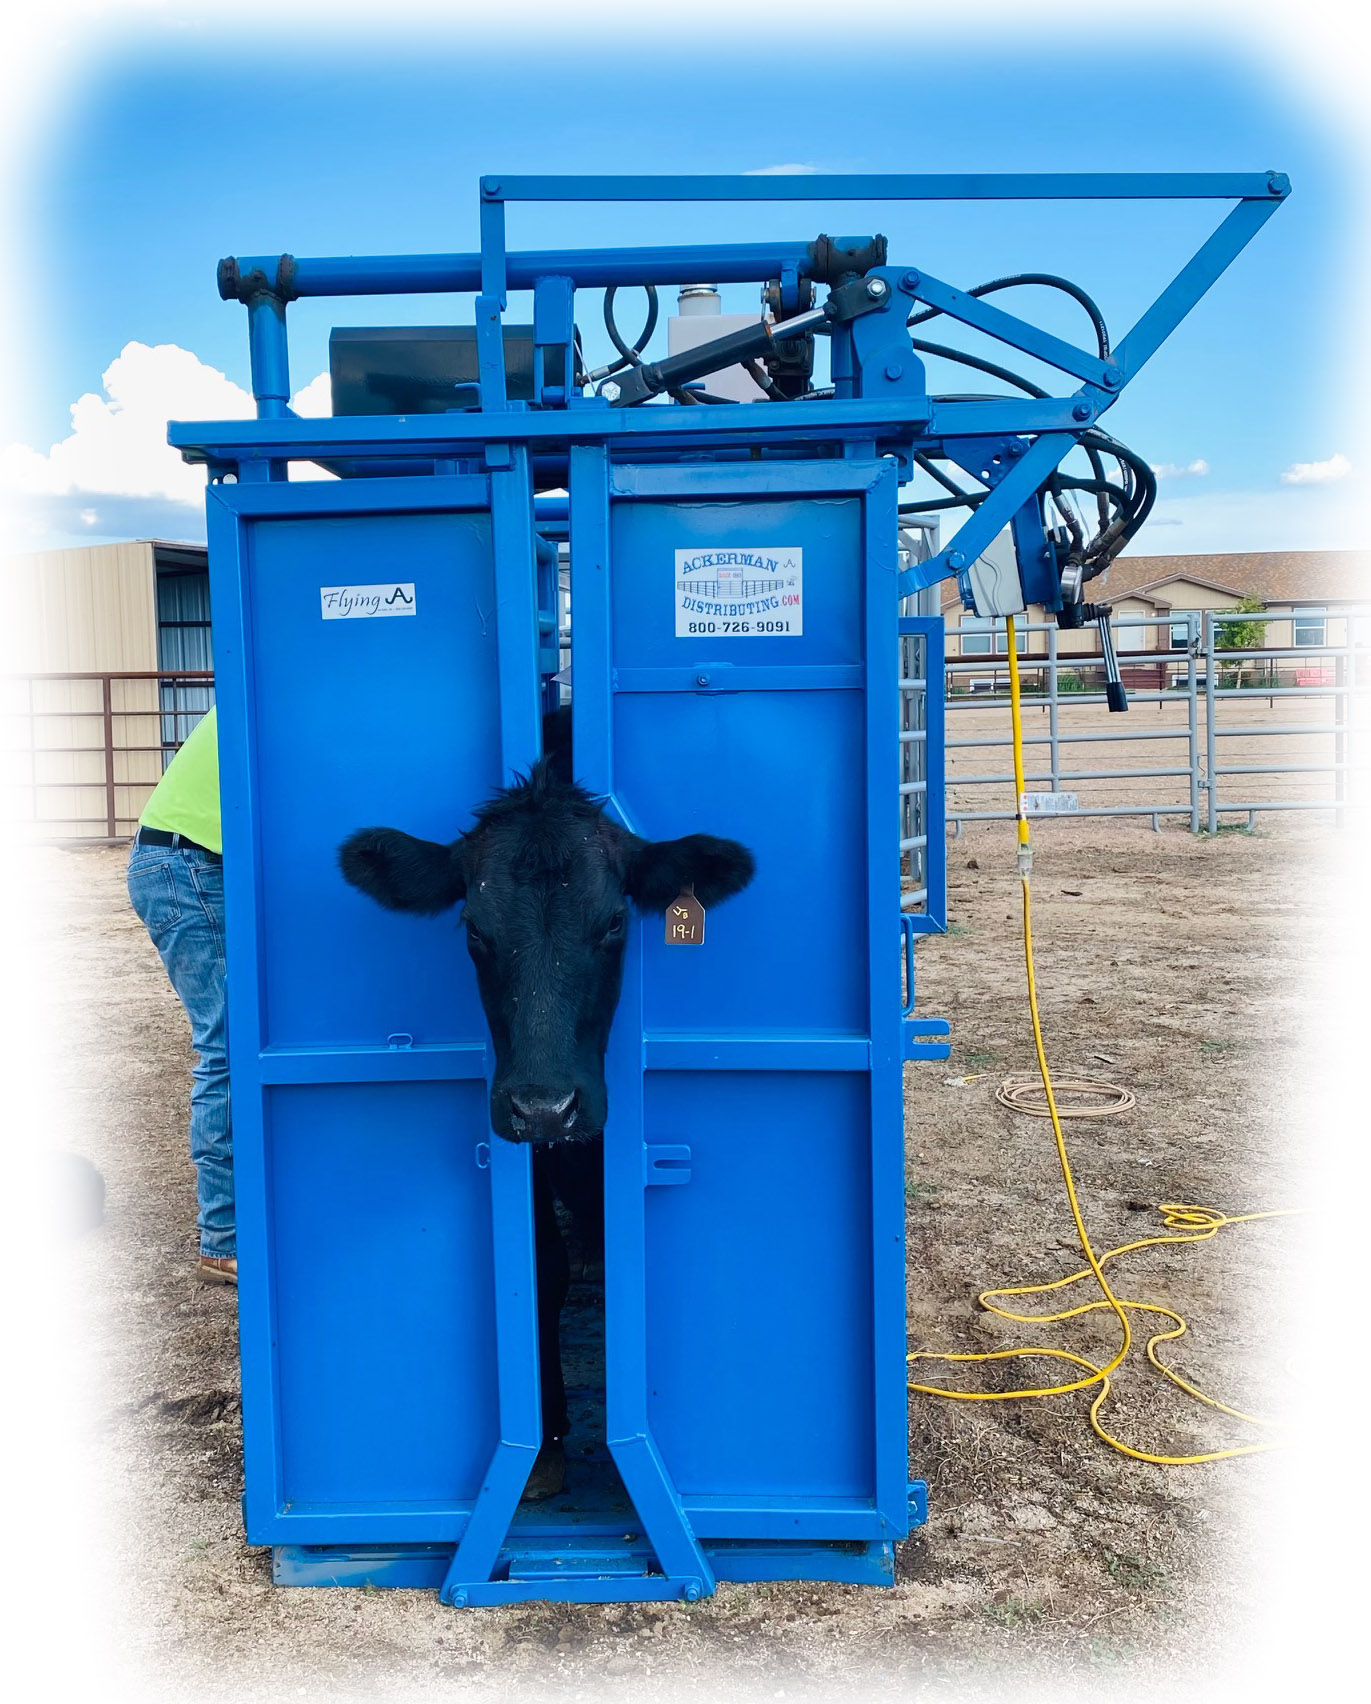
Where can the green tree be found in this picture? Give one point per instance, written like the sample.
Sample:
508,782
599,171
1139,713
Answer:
1241,635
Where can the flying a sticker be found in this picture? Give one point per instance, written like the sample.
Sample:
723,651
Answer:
740,594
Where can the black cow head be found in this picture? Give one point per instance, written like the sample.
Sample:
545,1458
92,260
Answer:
547,879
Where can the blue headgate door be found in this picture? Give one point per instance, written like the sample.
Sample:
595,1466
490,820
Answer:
754,1153
375,667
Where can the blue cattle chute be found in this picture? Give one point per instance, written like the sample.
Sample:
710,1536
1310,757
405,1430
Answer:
385,643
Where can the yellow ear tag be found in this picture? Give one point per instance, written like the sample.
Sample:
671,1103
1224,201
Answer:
685,921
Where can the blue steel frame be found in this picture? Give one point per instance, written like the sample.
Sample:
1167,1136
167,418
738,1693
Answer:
497,457
886,405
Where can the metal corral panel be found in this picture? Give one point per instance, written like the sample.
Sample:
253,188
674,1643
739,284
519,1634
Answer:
87,610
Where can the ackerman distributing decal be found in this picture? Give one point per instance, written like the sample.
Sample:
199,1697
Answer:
740,594
362,603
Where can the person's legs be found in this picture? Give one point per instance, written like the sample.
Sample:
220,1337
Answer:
179,895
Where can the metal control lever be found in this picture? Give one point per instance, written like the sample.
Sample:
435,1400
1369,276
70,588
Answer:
1114,694
1074,614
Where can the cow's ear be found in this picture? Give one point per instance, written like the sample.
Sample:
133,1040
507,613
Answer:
658,870
402,873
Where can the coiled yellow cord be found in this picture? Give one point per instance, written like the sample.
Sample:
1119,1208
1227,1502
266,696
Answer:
1187,1224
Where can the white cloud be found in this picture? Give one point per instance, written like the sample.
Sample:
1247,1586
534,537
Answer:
795,169
315,400
1317,473
1315,518
1197,469
118,446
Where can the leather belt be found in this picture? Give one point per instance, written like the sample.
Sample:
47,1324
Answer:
160,837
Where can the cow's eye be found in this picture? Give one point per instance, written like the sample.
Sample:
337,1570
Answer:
475,939
616,929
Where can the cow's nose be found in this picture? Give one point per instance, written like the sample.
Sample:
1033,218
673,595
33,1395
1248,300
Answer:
543,1118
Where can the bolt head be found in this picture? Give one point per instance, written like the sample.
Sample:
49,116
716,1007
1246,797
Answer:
893,369
459,1598
610,392
1082,411
1017,446
490,186
875,287
702,680
911,281
690,1591
1113,379
955,559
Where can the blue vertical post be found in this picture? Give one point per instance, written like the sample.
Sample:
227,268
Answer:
880,553
511,1171
554,333
490,304
234,664
269,355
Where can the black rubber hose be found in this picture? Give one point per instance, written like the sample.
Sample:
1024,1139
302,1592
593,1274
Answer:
1116,529
1052,282
933,471
1112,540
630,354
980,365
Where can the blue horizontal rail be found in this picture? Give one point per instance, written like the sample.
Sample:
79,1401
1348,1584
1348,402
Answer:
439,274
863,186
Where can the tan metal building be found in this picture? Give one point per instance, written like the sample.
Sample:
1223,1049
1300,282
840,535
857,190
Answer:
103,658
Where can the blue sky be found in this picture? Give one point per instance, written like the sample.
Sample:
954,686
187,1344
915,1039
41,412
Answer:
187,137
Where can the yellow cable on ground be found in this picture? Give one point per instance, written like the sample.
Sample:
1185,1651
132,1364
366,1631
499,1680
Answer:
1187,1224
1025,1094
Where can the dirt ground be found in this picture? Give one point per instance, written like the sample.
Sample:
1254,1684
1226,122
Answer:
1163,961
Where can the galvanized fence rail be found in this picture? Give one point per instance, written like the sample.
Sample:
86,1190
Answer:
1347,696
1209,684
80,751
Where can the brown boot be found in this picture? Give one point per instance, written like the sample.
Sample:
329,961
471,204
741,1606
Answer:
217,1269
549,1472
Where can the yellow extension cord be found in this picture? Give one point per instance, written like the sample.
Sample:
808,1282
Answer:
1188,1225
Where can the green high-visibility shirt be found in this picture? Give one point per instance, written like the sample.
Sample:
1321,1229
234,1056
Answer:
186,799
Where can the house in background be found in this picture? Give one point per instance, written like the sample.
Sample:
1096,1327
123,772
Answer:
1307,588
88,716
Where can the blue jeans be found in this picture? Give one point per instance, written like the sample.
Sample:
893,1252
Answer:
179,894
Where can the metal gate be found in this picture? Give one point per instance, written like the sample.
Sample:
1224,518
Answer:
1303,713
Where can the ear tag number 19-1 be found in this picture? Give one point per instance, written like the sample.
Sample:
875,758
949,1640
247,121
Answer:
685,921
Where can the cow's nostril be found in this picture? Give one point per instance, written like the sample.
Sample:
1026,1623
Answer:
541,1116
